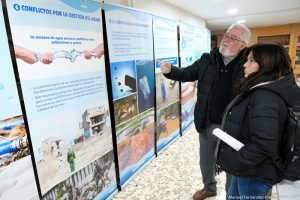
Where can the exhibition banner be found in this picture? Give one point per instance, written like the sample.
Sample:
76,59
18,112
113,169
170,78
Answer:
167,91
16,171
60,56
208,40
188,94
187,41
130,44
202,42
194,41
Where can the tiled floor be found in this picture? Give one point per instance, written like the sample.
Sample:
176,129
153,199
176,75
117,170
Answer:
173,175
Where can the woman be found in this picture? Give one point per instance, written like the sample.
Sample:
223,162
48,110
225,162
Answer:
257,117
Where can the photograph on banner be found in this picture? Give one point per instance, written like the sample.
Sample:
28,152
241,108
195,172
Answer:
167,127
16,171
135,143
133,77
188,102
167,91
145,84
130,44
60,60
123,78
100,169
125,108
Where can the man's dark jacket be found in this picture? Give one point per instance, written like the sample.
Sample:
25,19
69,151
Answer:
258,119
206,70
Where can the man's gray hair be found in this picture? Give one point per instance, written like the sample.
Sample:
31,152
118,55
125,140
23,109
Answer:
245,37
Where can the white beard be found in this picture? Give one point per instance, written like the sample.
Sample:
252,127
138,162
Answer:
225,52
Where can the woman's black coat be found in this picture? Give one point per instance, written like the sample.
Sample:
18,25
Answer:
258,120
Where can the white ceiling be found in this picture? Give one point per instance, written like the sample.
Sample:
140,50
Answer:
256,12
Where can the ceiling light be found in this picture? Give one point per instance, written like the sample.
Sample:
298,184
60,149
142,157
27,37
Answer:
232,11
240,21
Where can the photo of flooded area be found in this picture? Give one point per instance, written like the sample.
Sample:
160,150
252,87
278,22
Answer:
167,91
135,139
125,108
62,155
94,181
167,121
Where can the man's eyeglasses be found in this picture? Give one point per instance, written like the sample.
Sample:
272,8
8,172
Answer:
231,38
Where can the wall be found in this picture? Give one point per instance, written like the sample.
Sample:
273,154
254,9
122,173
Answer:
157,6
287,29
291,29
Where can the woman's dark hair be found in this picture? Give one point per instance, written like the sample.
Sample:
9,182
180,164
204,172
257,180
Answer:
274,62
